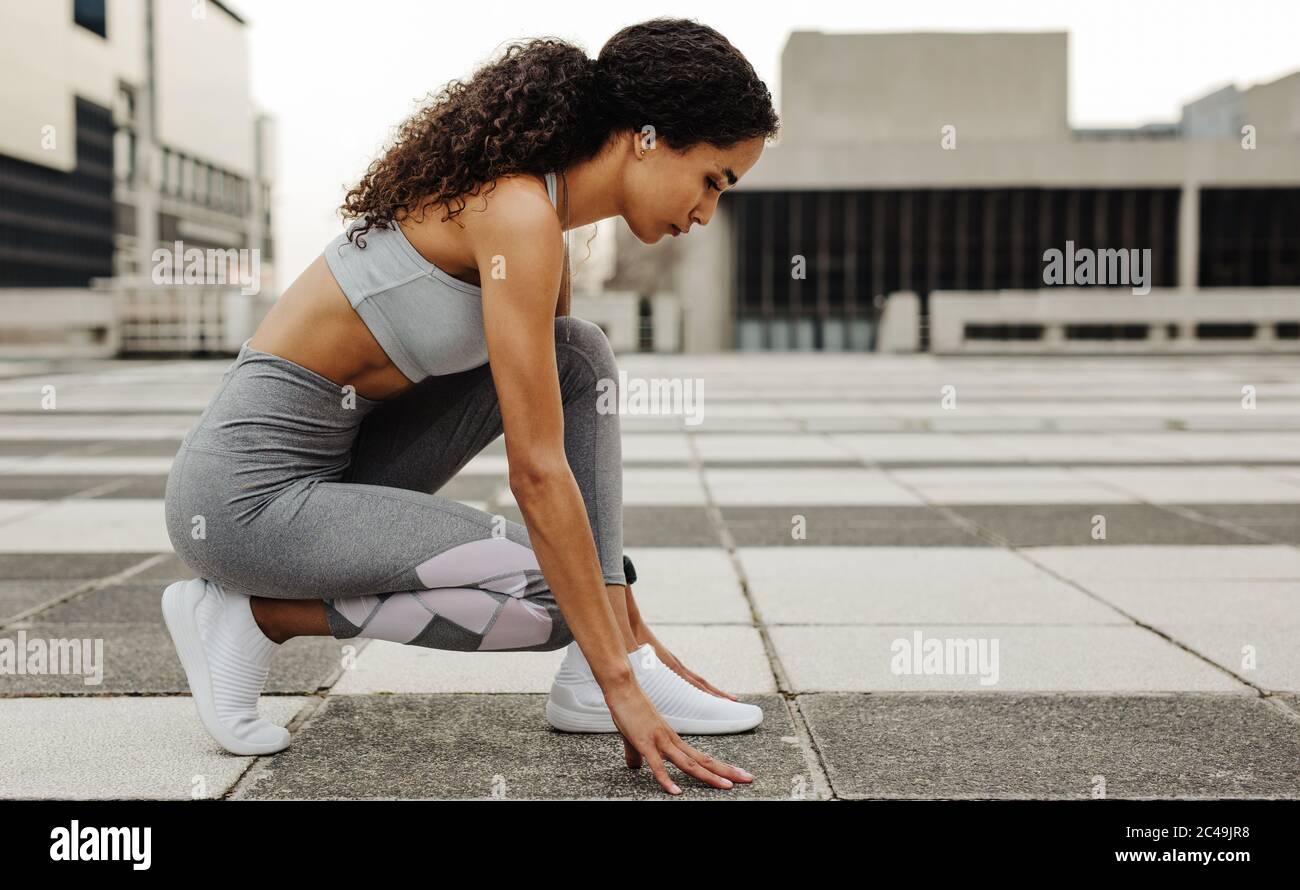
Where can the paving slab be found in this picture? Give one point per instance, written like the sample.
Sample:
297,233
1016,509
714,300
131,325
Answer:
944,746
771,449
902,585
42,487
652,526
1087,566
1248,626
1207,445
77,430
652,448
1043,525
805,486
500,746
130,488
846,526
649,486
50,566
966,524
1103,448
138,658
159,447
119,748
933,447
166,567
1211,602
1278,523
86,465
1263,654
687,585
1008,485
84,525
1081,658
1195,485
16,597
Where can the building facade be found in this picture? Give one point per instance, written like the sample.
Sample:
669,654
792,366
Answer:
135,129
925,163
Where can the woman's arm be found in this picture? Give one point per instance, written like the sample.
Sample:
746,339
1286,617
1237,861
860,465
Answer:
519,237
518,248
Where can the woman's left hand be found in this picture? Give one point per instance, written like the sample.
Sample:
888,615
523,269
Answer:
643,635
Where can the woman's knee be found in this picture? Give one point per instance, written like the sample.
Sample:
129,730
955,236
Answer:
589,341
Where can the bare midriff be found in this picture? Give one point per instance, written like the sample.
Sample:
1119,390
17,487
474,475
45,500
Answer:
314,325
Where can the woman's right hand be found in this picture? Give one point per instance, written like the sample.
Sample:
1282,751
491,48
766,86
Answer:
647,735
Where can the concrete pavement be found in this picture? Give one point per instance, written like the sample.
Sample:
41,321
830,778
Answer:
940,578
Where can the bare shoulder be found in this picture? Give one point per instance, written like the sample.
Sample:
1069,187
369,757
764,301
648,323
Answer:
517,204
512,215
518,246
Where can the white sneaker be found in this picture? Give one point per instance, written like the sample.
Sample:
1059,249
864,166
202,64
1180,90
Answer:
226,659
577,703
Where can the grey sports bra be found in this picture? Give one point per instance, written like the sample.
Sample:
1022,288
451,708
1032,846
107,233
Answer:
428,322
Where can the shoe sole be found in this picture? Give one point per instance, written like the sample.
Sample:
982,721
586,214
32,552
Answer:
576,718
180,601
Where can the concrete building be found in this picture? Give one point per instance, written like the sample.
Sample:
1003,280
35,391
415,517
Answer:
134,129
916,166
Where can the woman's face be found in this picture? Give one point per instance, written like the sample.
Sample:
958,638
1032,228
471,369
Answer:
668,192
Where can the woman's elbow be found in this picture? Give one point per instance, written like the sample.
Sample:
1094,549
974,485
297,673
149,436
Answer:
535,475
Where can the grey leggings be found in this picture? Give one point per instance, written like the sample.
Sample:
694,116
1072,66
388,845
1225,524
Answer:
290,486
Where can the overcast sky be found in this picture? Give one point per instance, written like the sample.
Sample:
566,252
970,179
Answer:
338,74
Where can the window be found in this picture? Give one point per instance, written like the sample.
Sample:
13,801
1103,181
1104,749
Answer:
91,15
124,108
124,154
170,171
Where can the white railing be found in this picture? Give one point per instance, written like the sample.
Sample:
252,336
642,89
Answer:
57,322
182,318
1116,320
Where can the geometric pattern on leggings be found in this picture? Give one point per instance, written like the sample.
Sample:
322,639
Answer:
476,599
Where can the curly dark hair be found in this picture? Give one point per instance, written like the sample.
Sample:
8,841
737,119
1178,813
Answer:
545,105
